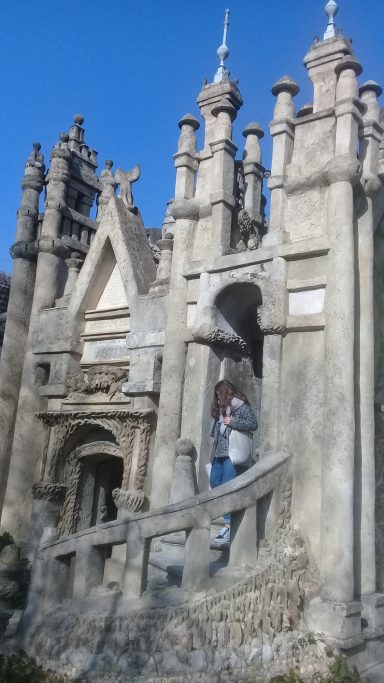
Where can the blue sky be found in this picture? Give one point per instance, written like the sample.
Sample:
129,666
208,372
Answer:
133,68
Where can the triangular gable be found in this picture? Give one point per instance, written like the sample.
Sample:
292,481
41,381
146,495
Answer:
119,240
114,295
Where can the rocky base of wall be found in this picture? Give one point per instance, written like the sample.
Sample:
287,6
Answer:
305,659
254,625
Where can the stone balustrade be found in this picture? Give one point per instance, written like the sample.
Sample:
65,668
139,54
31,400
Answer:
71,567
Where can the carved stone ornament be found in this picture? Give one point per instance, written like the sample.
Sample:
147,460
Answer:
99,379
250,232
131,501
125,180
71,507
65,465
49,491
272,315
36,159
216,336
120,423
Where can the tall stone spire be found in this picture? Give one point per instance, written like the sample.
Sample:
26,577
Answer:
331,9
222,53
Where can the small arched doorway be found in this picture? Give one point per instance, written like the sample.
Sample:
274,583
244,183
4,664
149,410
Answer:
91,471
101,474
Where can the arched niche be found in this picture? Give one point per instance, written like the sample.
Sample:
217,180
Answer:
237,313
226,342
102,468
92,467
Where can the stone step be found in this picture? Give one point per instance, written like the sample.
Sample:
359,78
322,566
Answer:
174,544
178,538
167,563
170,564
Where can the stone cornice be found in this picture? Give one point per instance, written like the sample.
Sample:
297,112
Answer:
53,417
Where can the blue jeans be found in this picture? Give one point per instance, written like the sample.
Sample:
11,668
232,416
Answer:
224,470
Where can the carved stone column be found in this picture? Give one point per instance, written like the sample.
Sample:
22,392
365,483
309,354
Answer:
282,131
272,320
223,168
29,434
19,307
337,510
74,265
185,210
370,137
253,171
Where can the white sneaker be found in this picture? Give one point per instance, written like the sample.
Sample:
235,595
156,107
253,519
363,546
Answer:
224,535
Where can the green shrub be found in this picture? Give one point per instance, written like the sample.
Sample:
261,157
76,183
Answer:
292,677
341,672
19,668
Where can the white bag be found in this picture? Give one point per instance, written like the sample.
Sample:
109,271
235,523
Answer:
240,448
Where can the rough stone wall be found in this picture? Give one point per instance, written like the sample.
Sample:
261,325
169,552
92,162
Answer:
252,624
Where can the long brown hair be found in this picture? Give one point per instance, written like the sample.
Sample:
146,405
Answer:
222,396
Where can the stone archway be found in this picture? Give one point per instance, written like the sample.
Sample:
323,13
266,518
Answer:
102,469
237,314
79,443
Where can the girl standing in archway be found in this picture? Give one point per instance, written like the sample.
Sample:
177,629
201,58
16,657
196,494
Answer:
233,422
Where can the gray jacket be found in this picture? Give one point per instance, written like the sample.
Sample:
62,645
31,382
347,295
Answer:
243,419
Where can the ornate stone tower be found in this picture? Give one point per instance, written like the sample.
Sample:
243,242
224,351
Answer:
48,254
107,410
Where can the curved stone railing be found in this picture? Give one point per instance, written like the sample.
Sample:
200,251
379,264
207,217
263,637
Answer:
70,567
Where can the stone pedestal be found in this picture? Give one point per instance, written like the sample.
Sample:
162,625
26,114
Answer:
339,621
372,610
184,475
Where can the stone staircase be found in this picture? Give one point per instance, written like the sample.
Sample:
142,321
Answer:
166,559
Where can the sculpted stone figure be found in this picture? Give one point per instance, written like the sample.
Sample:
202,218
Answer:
125,180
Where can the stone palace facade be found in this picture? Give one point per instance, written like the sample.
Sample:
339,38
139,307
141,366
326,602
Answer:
115,337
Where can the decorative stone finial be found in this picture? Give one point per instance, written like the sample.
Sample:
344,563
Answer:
35,159
226,106
348,62
223,52
64,137
189,120
253,128
79,119
331,9
109,164
371,86
285,84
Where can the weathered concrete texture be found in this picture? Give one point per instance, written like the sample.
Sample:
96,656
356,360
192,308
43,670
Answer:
114,344
252,624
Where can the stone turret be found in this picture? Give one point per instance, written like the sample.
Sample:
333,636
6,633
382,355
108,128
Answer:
210,96
60,244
